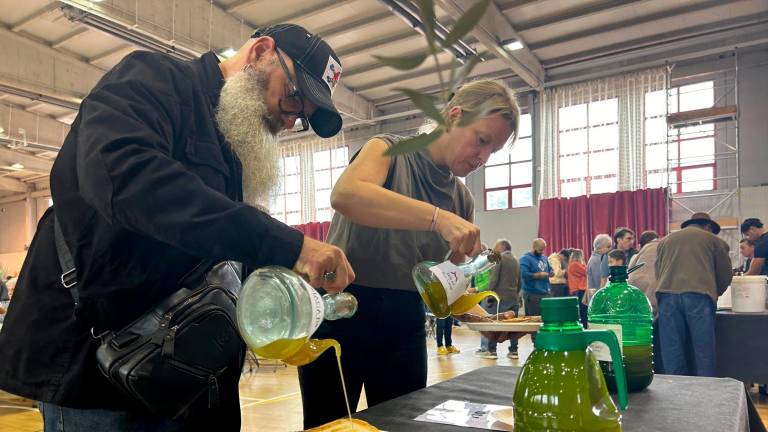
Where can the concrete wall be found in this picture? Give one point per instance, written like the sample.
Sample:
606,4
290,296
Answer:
12,226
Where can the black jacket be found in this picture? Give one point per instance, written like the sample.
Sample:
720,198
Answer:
144,187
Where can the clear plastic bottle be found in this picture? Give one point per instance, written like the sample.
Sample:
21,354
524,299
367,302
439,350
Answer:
278,311
443,286
561,386
626,310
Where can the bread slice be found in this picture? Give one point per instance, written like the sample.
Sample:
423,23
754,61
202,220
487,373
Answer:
345,425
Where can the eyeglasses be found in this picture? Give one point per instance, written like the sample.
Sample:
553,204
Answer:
292,105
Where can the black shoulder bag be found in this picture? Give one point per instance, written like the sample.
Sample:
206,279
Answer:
174,353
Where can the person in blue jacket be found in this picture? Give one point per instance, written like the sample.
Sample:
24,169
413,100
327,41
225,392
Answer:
535,272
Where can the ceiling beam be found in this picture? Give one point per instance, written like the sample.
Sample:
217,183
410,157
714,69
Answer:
35,105
19,25
12,185
309,12
376,45
578,10
69,36
622,24
494,29
336,30
240,5
516,3
122,49
31,163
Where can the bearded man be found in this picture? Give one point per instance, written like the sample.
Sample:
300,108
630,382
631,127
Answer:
163,168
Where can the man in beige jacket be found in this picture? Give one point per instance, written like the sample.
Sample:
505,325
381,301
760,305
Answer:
645,279
558,284
693,269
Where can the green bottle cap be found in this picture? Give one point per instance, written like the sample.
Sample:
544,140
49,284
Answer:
559,309
618,273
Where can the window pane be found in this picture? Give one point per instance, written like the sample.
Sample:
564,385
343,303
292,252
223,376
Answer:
602,112
324,215
336,174
697,152
573,142
323,179
522,197
521,173
604,185
656,180
604,163
292,165
497,200
293,202
339,157
277,204
497,176
572,117
697,179
293,219
292,184
672,101
604,137
655,130
572,189
656,157
500,157
323,199
525,126
321,160
522,150
655,103
279,216
573,167
700,131
697,96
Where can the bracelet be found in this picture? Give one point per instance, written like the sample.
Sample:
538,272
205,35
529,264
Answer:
434,219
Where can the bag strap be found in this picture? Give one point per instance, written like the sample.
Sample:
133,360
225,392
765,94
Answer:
68,271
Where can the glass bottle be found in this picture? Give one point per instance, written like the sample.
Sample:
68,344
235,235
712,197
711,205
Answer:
443,286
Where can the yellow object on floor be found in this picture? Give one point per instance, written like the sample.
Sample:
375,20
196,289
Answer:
442,351
453,350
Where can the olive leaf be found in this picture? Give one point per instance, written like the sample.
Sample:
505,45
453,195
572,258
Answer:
415,143
427,16
469,117
402,63
467,22
426,103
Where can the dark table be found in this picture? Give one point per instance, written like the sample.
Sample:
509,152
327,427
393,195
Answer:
670,403
742,346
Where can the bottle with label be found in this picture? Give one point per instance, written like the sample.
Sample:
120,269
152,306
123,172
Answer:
443,286
626,310
278,311
561,386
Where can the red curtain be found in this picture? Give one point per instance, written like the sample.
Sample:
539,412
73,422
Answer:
574,222
315,230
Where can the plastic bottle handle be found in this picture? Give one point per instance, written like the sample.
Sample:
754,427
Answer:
609,338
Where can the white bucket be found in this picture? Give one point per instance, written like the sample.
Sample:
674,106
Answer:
748,293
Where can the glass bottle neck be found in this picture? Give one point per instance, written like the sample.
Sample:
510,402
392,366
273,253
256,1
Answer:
480,263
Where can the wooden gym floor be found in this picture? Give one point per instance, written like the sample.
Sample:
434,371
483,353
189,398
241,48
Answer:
276,389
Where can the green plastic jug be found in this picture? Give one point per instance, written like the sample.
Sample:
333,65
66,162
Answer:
561,386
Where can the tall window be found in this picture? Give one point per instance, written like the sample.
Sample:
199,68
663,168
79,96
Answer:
689,165
286,204
509,172
588,142
328,166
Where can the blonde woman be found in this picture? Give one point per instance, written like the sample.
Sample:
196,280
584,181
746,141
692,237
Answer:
392,213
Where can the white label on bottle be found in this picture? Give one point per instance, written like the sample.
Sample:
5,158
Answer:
601,350
453,280
318,308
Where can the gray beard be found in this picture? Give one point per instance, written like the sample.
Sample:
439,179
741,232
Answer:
243,119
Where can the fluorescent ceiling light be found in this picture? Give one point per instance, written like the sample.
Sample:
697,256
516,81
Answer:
514,45
228,53
17,166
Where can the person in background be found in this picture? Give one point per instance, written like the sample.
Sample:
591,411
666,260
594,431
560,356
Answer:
597,266
624,239
535,272
747,250
505,281
617,257
644,278
558,285
693,269
752,229
391,213
443,332
577,281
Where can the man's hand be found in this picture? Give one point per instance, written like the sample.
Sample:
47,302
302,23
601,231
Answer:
318,258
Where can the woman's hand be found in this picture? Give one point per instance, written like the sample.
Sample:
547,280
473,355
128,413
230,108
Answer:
462,236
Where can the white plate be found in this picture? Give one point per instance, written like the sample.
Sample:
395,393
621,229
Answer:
519,327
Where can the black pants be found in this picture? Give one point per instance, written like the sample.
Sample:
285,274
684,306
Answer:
558,290
582,308
383,347
444,330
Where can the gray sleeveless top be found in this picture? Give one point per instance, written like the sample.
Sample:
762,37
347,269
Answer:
383,258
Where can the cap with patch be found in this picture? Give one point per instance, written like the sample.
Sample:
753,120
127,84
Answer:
318,70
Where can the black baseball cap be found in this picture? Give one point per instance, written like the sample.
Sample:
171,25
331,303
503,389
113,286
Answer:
318,70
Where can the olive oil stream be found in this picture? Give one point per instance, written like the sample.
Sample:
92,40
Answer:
299,352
